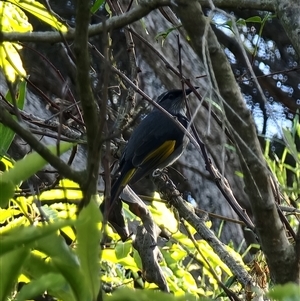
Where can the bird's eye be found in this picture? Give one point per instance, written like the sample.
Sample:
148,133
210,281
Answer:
171,96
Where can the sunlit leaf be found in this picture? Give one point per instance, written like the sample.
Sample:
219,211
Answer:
8,213
41,12
161,213
66,262
23,169
22,236
12,19
30,164
123,249
10,61
47,282
88,245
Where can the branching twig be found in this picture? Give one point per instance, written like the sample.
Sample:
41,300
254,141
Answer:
167,188
89,106
129,17
52,159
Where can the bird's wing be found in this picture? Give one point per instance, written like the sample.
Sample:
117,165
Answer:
151,144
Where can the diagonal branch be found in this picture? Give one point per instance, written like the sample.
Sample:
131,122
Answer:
55,161
167,188
267,5
89,106
135,14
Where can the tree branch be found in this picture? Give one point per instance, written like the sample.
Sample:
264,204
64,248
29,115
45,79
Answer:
89,106
267,5
115,22
129,17
167,188
55,161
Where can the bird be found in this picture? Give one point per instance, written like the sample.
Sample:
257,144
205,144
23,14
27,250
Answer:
156,143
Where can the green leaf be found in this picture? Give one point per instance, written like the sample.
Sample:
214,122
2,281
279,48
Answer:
96,5
10,267
66,262
32,163
88,248
12,19
240,22
48,282
254,19
23,169
23,236
163,35
6,134
286,292
28,166
288,139
7,192
37,265
123,249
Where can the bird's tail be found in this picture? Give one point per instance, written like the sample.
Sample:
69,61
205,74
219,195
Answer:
112,208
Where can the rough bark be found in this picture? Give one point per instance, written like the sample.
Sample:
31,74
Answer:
287,11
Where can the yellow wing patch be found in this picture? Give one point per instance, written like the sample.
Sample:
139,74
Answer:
128,176
162,152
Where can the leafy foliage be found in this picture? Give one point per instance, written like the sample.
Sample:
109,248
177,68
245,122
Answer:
287,292
45,262
286,166
34,252
13,19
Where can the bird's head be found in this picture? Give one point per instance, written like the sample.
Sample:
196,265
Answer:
173,101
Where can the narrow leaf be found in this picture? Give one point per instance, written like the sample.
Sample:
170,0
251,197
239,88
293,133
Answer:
7,191
254,19
10,267
66,262
96,5
31,164
288,139
48,282
23,236
88,249
6,134
36,266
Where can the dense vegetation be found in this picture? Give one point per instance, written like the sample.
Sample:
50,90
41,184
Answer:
75,80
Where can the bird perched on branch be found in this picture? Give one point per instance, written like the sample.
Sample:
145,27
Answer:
155,144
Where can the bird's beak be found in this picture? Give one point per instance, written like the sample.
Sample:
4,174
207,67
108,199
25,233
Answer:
188,91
